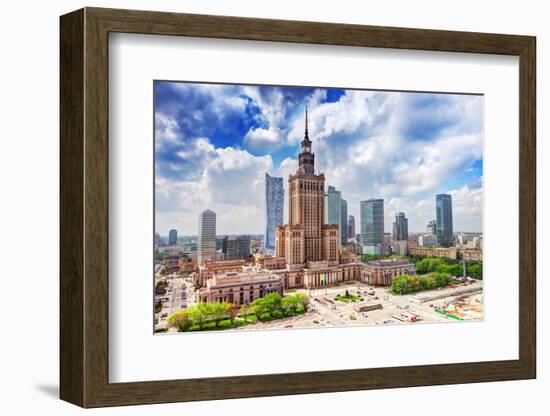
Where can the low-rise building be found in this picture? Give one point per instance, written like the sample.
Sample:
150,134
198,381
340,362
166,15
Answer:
188,265
382,272
172,263
470,254
210,268
401,247
444,252
241,287
427,240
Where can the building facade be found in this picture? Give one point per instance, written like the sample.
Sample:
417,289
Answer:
431,228
206,247
400,227
351,227
372,226
427,240
444,218
445,252
344,221
333,209
236,247
241,287
382,272
274,209
172,237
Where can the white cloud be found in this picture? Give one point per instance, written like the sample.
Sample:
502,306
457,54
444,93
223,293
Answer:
232,184
369,144
263,139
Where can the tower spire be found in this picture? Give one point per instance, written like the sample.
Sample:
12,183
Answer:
306,133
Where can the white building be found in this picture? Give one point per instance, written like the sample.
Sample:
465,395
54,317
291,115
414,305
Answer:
427,240
206,249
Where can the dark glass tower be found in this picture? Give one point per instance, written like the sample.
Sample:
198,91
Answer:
401,227
372,226
444,219
274,209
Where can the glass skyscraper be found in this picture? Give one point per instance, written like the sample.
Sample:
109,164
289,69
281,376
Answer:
444,219
333,210
274,209
351,227
372,226
206,249
344,221
172,237
400,227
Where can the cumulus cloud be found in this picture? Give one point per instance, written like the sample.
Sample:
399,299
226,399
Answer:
214,144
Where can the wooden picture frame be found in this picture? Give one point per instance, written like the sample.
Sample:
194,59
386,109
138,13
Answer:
84,207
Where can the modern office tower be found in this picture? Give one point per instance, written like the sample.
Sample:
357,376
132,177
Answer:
372,226
400,227
158,240
431,228
206,249
172,237
344,221
333,206
444,218
274,209
236,247
351,226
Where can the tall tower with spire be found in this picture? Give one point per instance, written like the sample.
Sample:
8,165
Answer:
306,238
306,159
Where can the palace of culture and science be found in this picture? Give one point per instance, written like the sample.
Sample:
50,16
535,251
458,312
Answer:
307,251
310,247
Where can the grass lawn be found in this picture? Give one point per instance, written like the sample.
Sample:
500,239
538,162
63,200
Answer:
346,299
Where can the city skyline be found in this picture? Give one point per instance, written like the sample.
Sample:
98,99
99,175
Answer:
408,147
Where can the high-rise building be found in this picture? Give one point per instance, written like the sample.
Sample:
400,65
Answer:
431,228
307,237
333,209
158,240
400,227
372,226
236,247
444,218
344,221
351,226
206,249
172,237
274,209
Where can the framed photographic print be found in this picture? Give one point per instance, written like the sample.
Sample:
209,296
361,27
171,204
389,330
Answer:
295,207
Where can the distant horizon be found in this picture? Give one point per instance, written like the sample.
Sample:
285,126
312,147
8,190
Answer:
214,144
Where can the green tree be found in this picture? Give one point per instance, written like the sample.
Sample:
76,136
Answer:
200,313
303,300
180,320
272,303
290,304
245,310
219,311
258,308
474,269
451,269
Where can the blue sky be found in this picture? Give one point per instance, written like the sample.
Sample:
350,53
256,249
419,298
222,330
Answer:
214,143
